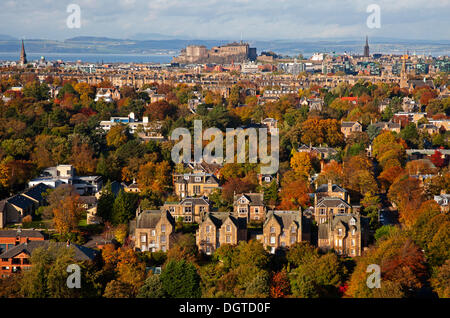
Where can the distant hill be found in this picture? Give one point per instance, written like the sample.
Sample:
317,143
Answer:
93,39
155,36
154,43
4,37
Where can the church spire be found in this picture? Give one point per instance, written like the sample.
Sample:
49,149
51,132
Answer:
366,48
23,55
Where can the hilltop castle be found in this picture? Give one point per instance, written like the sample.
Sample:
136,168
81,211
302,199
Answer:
233,52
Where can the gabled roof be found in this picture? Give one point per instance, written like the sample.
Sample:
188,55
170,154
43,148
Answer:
285,218
150,218
81,253
334,188
343,220
332,202
218,218
349,123
255,199
21,201
194,201
21,233
37,191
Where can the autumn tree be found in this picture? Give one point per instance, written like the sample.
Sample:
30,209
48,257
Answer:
333,172
407,194
389,150
67,214
117,136
294,195
301,164
403,270
83,158
154,177
279,285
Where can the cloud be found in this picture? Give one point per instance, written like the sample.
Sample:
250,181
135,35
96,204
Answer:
227,19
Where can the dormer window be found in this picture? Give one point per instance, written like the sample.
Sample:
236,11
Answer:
353,221
272,229
339,232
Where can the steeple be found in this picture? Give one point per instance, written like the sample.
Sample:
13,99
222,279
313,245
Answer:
403,73
23,55
366,48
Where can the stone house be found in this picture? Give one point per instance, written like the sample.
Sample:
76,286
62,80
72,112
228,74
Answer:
192,210
153,231
346,234
250,206
218,229
349,127
283,229
194,185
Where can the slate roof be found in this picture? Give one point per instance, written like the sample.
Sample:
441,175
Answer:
389,125
349,124
81,253
344,220
332,202
218,218
36,192
285,218
256,199
150,218
334,187
190,178
21,201
194,201
21,233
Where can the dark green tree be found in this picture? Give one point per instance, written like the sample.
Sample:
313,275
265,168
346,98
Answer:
181,280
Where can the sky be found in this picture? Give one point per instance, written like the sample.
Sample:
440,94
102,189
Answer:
228,19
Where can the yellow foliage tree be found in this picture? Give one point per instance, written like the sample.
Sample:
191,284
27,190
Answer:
301,163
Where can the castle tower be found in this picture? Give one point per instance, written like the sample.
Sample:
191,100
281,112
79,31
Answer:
23,55
366,48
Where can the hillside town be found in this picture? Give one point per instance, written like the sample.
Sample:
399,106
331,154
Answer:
87,176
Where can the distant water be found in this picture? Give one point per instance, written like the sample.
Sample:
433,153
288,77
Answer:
92,58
